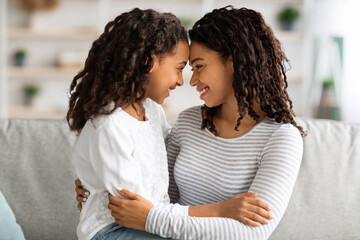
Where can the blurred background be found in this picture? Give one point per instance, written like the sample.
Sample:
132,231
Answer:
44,43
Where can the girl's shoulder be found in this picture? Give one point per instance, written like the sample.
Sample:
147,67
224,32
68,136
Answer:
154,112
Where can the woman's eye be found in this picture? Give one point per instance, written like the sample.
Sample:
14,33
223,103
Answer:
180,69
197,67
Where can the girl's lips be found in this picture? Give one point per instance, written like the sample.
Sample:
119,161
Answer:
170,89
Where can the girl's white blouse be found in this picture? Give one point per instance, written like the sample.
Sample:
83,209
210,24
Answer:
118,151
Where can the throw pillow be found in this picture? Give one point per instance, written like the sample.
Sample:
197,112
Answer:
9,229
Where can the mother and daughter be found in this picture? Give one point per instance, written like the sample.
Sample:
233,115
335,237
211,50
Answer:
228,166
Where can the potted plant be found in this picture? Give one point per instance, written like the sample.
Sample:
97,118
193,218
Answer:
287,17
328,107
19,57
30,91
187,21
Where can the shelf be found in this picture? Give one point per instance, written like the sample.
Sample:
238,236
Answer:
289,36
33,112
26,33
42,72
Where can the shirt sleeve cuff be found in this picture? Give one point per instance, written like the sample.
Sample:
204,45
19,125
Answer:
158,212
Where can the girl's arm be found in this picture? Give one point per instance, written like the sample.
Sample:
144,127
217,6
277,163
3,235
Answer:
279,168
110,157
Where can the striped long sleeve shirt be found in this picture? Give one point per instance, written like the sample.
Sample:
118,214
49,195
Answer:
204,168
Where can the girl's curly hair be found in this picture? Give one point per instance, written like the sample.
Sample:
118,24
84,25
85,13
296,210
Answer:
119,62
258,60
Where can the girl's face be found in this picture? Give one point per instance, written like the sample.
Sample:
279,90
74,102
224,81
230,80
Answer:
212,76
166,73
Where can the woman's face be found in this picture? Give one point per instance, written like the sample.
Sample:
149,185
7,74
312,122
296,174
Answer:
166,73
213,77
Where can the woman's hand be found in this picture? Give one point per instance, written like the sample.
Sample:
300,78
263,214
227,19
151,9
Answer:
81,194
247,209
131,212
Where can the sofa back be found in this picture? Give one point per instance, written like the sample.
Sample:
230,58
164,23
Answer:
325,203
37,177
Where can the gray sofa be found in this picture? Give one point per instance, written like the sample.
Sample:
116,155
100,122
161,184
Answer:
37,179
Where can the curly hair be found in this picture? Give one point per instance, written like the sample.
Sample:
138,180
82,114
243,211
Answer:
258,60
117,69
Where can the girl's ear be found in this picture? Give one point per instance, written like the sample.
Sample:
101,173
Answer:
231,63
155,63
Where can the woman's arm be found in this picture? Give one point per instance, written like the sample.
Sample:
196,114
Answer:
243,207
279,168
81,194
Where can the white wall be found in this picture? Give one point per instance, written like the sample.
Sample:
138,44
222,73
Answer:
340,18
3,63
85,14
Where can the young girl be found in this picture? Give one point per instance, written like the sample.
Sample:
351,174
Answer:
244,139
114,100
130,69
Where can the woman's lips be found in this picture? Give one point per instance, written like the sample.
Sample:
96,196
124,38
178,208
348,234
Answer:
203,92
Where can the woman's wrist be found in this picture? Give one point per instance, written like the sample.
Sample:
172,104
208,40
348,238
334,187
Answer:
208,210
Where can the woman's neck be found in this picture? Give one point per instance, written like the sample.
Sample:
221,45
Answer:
227,115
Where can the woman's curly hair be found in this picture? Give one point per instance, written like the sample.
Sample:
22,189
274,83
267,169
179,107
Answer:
258,60
119,62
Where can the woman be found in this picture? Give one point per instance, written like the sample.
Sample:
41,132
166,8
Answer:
244,139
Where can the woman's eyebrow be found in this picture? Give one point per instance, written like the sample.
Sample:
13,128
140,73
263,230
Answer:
183,62
196,59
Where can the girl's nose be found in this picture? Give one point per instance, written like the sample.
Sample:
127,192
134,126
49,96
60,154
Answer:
180,81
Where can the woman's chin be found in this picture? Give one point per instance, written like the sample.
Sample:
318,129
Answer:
210,104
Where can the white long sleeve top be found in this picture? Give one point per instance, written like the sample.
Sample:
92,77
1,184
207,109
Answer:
119,151
204,169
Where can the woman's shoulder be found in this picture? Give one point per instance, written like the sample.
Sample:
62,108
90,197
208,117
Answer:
284,131
192,112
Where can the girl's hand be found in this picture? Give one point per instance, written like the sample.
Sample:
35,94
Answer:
247,209
81,194
131,212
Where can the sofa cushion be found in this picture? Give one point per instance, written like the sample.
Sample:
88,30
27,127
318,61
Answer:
326,197
37,177
9,229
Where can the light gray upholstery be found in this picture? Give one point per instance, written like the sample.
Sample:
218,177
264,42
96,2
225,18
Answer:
325,203
37,179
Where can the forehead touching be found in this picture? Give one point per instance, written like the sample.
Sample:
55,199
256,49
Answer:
199,52
180,54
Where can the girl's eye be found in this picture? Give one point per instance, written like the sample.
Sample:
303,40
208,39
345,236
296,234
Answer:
180,69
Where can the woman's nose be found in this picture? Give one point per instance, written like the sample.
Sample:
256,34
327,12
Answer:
194,79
